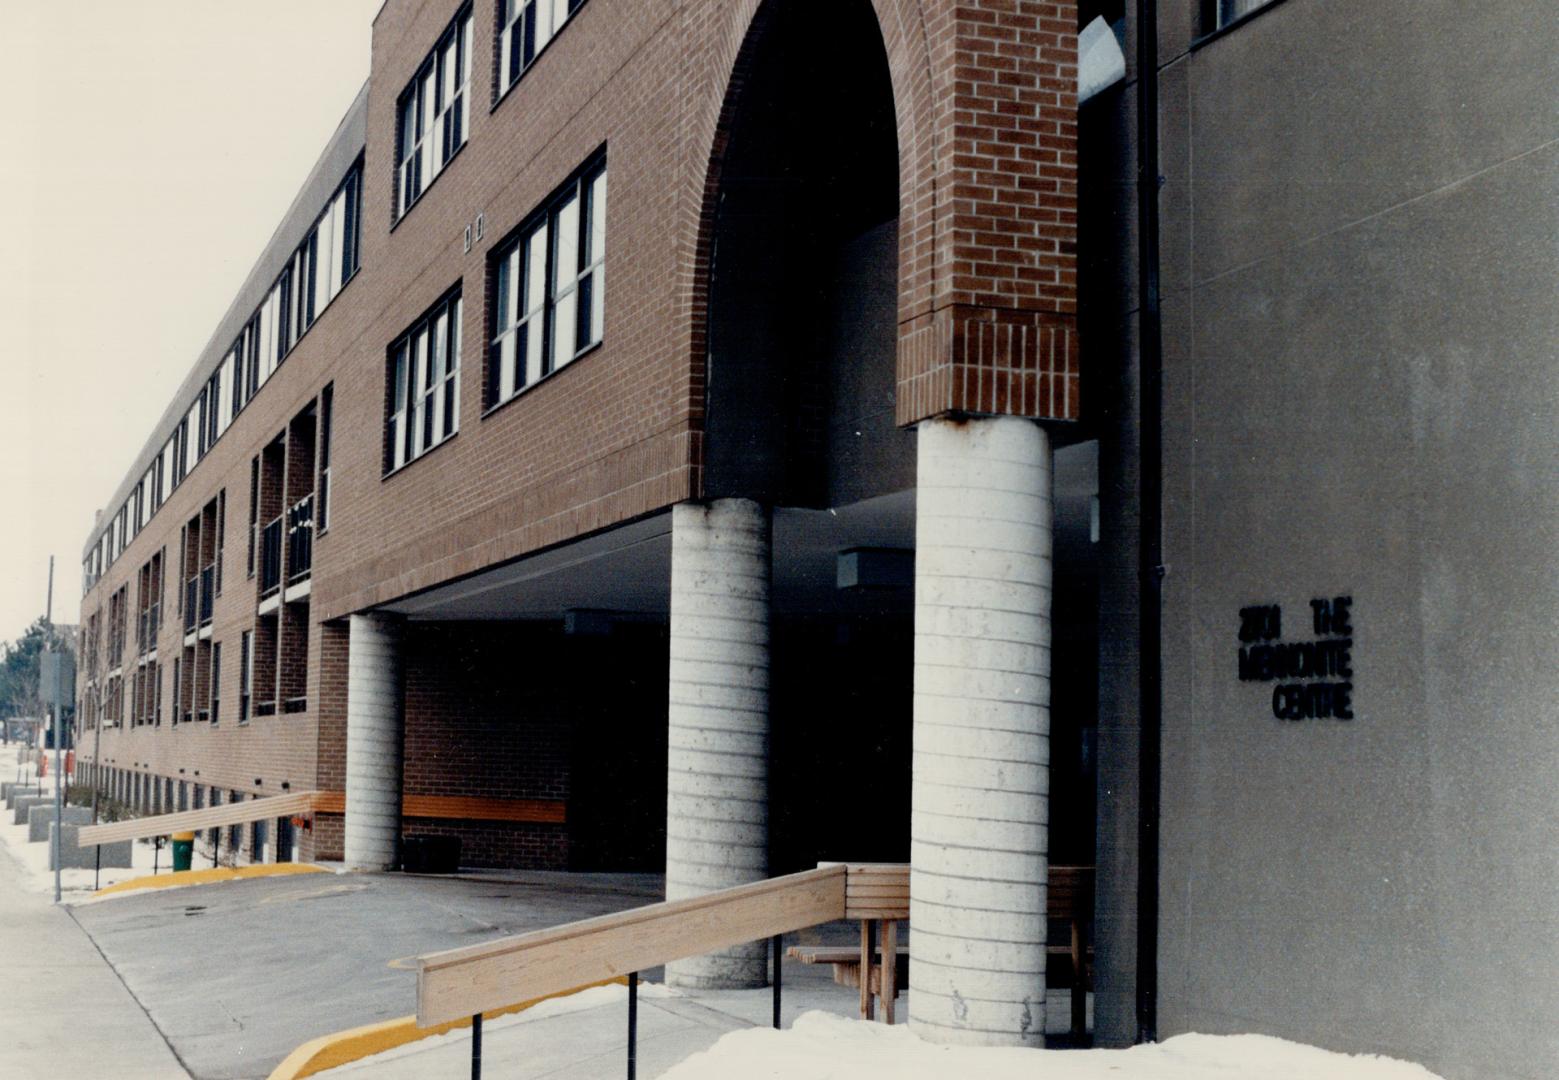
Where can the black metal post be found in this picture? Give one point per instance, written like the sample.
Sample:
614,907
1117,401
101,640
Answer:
779,954
97,867
476,1047
1150,567
156,852
633,1024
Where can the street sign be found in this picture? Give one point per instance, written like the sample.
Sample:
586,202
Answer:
57,678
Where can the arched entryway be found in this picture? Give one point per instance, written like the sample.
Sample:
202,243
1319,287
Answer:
870,562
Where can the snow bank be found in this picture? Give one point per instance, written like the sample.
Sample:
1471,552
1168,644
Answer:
824,1047
595,997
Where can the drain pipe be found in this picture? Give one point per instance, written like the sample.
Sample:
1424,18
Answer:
1150,510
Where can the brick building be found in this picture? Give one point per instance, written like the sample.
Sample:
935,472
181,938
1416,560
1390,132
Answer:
740,342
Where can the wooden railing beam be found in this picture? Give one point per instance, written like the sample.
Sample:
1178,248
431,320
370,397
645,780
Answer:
460,982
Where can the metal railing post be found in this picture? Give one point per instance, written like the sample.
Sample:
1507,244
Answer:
633,1025
476,1047
778,976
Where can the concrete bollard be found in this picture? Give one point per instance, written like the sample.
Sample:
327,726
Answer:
26,803
17,791
39,818
73,857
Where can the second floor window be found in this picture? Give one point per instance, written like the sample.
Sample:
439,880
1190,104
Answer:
549,287
433,113
424,384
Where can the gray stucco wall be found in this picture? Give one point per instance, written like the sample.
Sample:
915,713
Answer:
1361,395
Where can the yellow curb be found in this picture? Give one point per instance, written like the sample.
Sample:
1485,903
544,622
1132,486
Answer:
354,1044
207,877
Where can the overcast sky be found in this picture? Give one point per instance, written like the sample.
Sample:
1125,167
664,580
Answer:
149,151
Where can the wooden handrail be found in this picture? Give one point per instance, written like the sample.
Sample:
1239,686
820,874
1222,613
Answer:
471,980
210,817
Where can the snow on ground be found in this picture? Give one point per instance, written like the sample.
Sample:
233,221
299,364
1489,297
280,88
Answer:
824,1047
74,884
594,998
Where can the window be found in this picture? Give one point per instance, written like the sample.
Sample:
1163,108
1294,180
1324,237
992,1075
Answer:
254,512
424,384
432,113
245,673
234,366
327,399
211,412
221,535
1223,12
251,345
235,832
186,452
524,28
216,679
328,258
177,665
549,287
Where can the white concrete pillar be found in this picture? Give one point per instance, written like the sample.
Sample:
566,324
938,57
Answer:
374,739
717,790
980,793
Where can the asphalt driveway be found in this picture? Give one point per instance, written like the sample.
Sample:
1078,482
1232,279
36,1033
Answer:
236,975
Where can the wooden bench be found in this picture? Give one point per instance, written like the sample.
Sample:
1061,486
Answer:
879,893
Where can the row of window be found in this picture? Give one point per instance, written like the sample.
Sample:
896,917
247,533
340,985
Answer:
195,681
433,112
549,287
162,795
321,266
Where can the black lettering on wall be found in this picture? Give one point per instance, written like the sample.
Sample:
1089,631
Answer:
1265,658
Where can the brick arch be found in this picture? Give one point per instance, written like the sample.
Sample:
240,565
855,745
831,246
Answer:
986,109
730,37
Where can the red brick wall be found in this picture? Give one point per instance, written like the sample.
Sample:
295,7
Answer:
1001,332
486,715
327,701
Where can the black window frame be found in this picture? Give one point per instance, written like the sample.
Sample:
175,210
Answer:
524,14
401,205
451,300
578,184
327,401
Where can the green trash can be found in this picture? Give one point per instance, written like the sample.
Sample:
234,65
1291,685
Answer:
183,850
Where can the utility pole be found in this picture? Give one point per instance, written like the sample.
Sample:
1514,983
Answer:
59,730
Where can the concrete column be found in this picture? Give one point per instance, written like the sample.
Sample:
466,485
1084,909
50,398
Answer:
374,739
980,795
717,791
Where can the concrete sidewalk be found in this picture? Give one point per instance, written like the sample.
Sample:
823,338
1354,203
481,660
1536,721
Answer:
66,1014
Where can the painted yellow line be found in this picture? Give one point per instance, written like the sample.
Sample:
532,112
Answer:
354,1044
207,877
